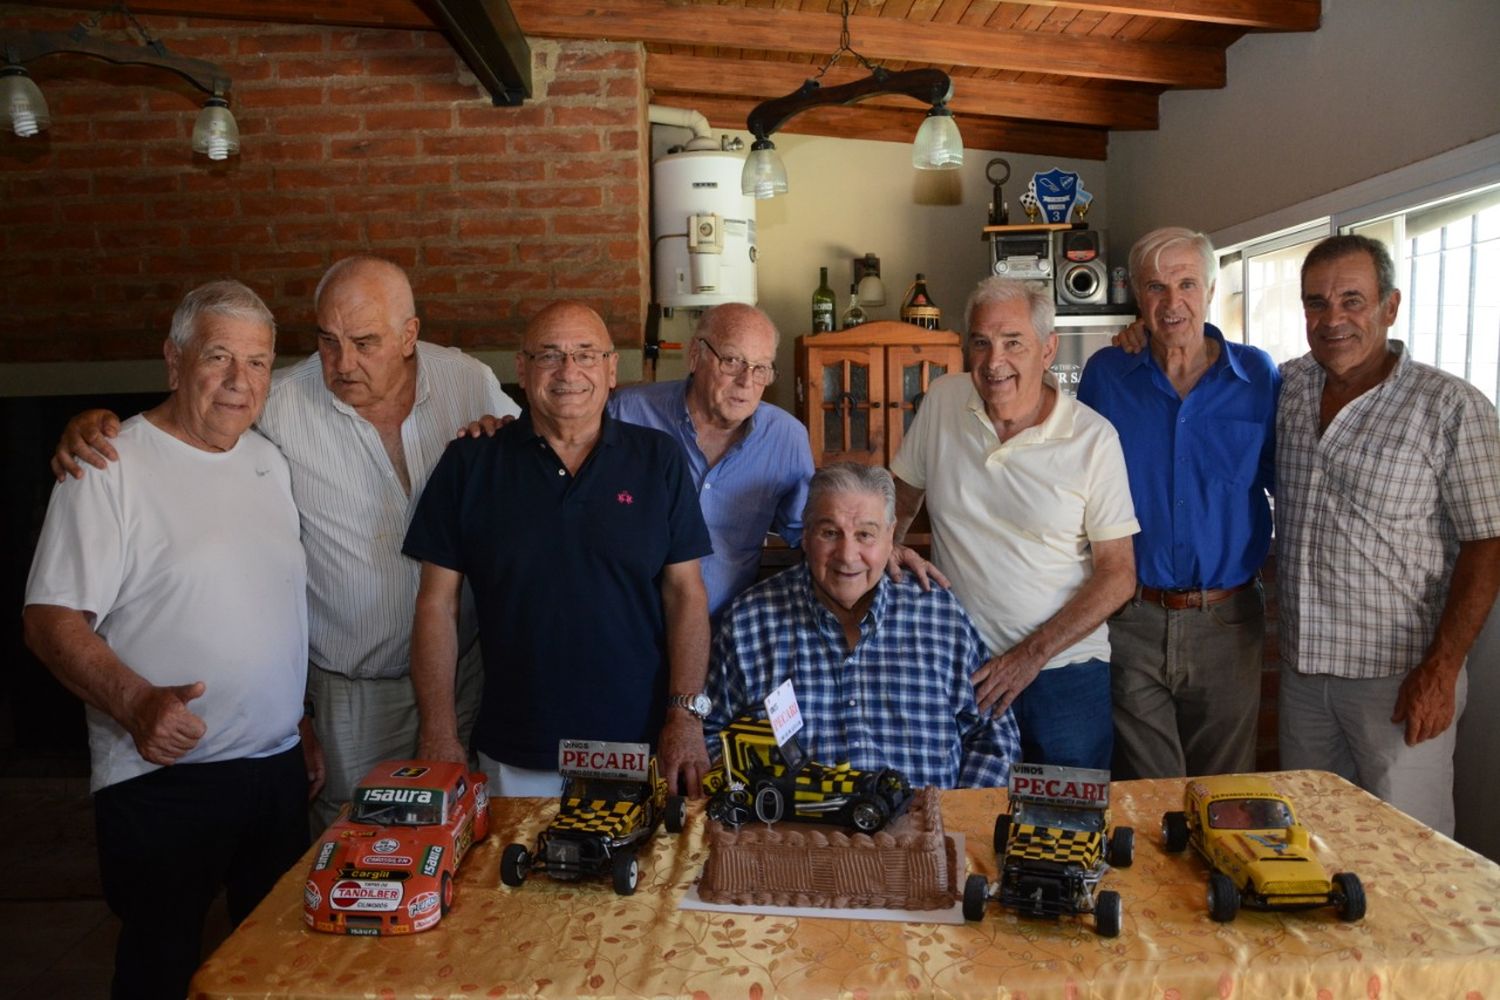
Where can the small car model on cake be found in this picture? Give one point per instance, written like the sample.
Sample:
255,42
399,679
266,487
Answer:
387,865
613,799
754,777
1258,854
1052,850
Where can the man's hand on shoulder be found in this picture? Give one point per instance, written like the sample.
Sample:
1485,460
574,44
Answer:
683,754
86,439
485,426
160,722
1132,339
905,557
1427,702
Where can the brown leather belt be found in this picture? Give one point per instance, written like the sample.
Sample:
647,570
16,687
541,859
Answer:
1177,600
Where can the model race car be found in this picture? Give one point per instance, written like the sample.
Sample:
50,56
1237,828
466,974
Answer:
754,777
613,799
1258,854
1052,849
387,865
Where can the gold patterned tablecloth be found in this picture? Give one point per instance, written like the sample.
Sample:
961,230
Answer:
1432,929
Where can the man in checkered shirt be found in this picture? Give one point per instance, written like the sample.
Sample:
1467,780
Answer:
881,669
1388,547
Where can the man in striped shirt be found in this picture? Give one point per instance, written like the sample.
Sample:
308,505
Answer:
362,424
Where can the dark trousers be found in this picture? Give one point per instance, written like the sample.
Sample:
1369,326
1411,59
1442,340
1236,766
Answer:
170,839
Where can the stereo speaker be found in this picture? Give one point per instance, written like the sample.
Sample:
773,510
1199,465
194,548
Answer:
1081,273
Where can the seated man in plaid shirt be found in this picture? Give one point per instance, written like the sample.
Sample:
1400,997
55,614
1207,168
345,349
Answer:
881,669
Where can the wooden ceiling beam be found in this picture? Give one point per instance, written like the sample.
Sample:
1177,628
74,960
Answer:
901,124
878,38
1263,15
349,13
759,79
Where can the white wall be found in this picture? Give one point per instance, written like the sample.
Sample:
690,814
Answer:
849,197
1382,84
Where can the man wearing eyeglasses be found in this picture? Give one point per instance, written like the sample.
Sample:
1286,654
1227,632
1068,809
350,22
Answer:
750,461
581,538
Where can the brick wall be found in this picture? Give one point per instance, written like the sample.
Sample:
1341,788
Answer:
351,140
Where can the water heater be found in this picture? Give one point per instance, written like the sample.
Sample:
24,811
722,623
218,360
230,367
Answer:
703,230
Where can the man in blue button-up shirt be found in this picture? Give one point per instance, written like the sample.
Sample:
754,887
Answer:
881,669
1197,419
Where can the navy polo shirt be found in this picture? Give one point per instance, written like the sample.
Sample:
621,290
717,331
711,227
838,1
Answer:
566,573
1199,467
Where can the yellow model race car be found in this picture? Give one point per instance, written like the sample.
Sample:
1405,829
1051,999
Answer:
1258,853
613,799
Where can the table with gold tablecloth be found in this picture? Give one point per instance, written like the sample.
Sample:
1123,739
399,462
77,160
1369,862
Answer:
1432,929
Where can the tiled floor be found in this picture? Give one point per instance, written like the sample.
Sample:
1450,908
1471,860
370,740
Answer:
59,936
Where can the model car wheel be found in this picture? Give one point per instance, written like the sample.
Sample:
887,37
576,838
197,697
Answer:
1223,897
976,895
1108,914
1348,896
1002,833
867,816
515,864
768,803
445,893
1174,831
676,815
1122,847
627,872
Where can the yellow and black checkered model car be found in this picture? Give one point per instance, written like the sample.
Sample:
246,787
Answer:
613,799
754,777
1052,849
1259,855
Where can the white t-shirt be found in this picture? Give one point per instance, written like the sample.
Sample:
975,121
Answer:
190,563
1012,522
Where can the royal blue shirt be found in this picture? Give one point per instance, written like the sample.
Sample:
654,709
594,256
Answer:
901,698
1200,468
566,572
759,486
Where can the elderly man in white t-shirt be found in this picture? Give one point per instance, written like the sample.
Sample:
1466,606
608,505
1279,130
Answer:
1031,521
362,423
169,593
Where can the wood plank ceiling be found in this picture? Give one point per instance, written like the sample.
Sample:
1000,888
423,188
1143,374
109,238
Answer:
1052,77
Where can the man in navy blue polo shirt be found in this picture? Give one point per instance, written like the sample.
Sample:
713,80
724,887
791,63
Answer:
1197,420
581,537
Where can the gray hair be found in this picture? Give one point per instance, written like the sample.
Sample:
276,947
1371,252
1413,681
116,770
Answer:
732,314
1335,247
993,291
399,285
227,298
851,477
1146,254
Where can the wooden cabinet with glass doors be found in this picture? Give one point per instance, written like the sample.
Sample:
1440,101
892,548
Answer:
858,390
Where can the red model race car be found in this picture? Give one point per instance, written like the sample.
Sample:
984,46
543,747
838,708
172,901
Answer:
387,866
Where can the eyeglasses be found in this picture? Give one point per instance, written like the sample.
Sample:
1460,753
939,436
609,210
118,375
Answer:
735,367
584,357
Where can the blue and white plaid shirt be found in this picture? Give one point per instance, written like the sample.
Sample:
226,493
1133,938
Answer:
902,698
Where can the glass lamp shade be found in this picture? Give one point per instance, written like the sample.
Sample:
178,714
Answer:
938,145
215,133
22,106
763,176
871,291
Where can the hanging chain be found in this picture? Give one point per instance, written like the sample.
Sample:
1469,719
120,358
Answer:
844,46
85,27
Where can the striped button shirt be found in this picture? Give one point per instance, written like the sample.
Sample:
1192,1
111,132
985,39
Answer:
1370,514
361,591
902,698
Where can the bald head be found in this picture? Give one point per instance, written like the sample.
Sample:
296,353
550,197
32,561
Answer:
724,392
569,320
737,317
373,279
367,333
567,368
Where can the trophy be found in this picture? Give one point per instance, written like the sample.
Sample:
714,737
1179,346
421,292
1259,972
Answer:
1057,193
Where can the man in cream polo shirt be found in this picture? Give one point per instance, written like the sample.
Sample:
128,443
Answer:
1031,521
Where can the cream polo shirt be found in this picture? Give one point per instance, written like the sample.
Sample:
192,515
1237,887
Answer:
1012,522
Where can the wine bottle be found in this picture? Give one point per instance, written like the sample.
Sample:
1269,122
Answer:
855,314
823,304
918,308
